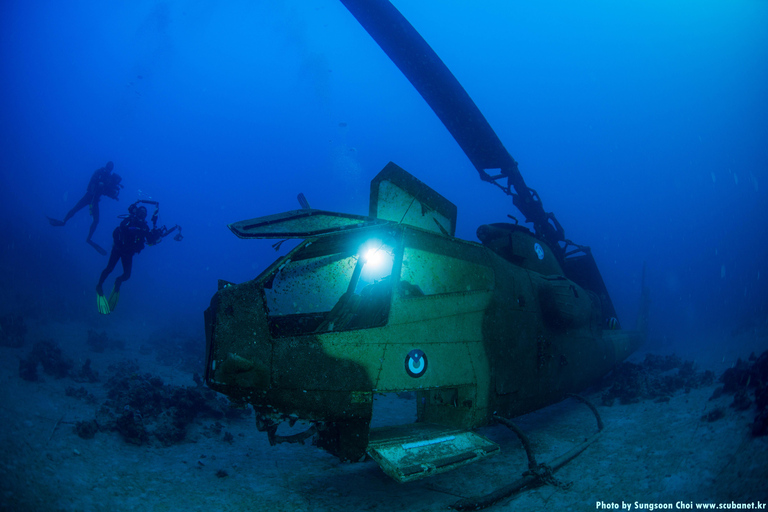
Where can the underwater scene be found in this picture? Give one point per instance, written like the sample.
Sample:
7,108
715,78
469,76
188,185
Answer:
333,255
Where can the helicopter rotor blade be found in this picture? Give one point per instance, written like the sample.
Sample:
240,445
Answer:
448,99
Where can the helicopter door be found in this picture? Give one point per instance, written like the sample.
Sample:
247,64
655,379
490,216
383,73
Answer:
417,450
304,223
398,196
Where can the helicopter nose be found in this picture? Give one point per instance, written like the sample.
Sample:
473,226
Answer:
243,372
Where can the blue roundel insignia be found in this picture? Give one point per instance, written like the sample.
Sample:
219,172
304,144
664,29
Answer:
539,251
416,363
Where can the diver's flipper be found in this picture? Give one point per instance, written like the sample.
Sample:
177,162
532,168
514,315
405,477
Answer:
102,304
96,246
112,301
55,222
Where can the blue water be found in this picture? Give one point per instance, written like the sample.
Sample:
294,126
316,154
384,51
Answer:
641,125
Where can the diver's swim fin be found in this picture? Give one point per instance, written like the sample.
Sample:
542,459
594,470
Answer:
112,301
102,304
96,246
55,222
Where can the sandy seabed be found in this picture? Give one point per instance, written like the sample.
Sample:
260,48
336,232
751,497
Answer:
657,455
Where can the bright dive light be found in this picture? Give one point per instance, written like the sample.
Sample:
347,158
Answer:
374,257
378,260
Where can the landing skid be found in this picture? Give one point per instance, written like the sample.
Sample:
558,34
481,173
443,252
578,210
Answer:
537,474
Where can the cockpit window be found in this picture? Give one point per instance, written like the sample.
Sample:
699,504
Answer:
332,284
309,285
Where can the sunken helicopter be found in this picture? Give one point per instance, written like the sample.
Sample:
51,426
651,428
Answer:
393,302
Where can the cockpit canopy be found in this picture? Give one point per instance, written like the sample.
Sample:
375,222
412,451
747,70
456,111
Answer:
330,284
346,282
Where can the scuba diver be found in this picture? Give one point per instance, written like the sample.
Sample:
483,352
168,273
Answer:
102,183
129,239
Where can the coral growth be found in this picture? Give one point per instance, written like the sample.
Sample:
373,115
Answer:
86,429
745,378
657,378
85,373
47,354
141,407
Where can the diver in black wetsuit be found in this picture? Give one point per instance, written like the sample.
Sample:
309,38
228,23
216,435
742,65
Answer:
129,239
102,183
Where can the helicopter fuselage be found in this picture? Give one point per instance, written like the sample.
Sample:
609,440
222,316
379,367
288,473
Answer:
474,329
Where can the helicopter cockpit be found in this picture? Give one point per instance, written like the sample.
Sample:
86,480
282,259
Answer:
343,276
331,284
348,281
